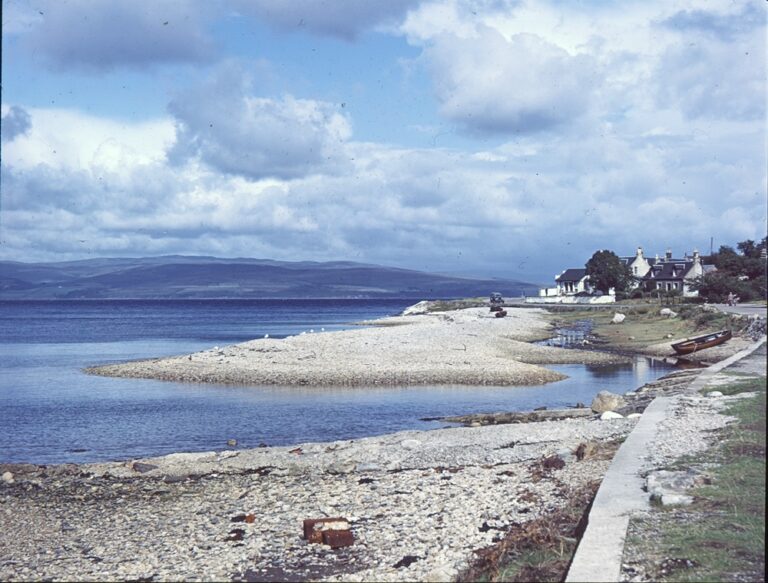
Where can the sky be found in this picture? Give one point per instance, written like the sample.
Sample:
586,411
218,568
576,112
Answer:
495,138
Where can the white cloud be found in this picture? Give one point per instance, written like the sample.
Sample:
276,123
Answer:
227,128
493,85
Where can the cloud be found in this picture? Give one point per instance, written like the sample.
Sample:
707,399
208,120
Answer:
720,75
723,26
16,122
488,84
97,36
344,19
224,126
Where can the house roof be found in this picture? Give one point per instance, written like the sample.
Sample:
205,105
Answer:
572,275
670,270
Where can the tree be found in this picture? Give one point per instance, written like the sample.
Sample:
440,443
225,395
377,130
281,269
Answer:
742,274
606,270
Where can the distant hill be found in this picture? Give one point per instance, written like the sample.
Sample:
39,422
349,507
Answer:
180,277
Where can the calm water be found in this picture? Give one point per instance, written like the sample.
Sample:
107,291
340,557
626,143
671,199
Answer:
50,412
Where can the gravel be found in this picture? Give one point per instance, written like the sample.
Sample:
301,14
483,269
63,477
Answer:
468,346
435,495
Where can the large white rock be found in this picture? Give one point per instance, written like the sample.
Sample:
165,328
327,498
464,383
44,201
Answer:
668,313
714,394
611,415
8,478
618,318
607,401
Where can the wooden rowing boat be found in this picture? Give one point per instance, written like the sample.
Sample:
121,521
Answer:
702,342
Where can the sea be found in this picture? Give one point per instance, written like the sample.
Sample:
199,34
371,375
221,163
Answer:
52,412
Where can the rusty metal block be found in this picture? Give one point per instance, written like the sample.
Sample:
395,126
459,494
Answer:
314,527
337,539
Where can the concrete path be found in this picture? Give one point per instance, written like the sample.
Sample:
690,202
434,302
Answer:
598,556
743,309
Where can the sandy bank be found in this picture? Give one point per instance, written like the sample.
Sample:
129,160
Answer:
469,347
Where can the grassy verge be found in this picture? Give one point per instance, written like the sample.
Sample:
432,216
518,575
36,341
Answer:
644,326
721,536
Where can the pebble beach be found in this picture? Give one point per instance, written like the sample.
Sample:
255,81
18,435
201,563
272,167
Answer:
460,347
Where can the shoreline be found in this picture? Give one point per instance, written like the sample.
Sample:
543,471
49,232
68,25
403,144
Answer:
419,502
458,347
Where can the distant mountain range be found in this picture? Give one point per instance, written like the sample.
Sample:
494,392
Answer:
182,277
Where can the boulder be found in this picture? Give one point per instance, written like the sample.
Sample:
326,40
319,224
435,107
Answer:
611,415
714,394
668,487
607,401
618,318
8,477
668,313
634,415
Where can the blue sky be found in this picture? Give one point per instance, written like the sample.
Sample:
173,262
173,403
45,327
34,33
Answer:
485,137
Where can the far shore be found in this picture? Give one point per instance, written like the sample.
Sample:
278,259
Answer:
457,347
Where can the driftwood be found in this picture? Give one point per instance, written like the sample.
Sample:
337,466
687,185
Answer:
519,416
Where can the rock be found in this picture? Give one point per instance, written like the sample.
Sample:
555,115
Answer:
565,454
367,467
668,313
667,487
8,477
410,444
440,574
618,318
142,467
607,401
669,499
341,467
634,415
416,309
611,415
714,394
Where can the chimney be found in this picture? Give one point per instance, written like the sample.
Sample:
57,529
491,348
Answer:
696,256
669,254
640,252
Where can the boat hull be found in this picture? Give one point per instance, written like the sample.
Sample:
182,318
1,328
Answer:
702,342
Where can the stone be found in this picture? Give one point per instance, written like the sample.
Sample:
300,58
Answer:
368,467
314,527
337,539
618,318
669,499
634,415
668,313
410,444
142,467
8,477
611,415
714,394
440,574
607,401
341,467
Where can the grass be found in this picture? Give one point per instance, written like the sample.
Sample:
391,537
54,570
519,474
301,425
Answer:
644,325
721,536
